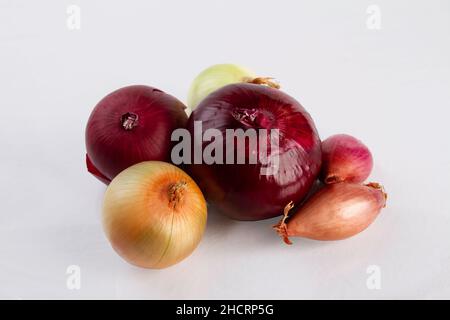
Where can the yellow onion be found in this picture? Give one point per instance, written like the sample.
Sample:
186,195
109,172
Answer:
218,76
154,214
336,212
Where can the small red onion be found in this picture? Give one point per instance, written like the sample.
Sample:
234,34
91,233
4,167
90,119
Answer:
131,125
345,158
336,212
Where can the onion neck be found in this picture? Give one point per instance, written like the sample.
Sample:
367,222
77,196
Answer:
176,193
254,118
129,120
266,81
377,186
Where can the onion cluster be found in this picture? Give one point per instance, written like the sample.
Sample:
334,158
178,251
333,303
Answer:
343,207
154,212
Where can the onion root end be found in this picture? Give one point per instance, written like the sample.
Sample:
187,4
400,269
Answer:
281,227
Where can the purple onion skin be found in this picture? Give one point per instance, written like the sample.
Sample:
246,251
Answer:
345,159
240,191
113,144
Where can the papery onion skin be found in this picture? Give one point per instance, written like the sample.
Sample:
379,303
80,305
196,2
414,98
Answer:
154,214
131,125
345,158
239,190
216,77
336,212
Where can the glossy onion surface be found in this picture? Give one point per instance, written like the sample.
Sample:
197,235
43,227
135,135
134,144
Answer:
345,158
131,125
240,190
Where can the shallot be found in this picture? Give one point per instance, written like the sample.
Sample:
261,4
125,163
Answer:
337,211
345,158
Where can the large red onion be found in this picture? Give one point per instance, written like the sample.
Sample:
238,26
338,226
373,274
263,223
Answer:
240,190
131,125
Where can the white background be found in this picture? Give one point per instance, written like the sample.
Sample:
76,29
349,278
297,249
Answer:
388,87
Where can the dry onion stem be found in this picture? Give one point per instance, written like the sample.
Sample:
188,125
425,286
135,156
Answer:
267,81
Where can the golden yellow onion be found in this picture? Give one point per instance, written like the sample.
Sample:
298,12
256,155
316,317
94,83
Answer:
154,214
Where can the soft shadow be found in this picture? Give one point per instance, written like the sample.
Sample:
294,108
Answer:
263,237
218,225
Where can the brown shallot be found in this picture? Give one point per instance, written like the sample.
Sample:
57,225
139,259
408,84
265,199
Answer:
337,211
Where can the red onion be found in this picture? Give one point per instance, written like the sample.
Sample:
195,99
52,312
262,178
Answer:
345,158
241,191
336,212
131,125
